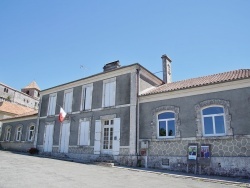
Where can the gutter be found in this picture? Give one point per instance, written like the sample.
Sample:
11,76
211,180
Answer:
137,111
37,122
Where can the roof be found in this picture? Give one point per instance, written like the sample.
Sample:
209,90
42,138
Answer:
32,85
201,81
13,108
28,114
101,73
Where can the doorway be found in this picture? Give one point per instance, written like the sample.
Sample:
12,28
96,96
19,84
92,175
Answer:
107,142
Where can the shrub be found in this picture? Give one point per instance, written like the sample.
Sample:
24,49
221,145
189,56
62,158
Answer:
33,151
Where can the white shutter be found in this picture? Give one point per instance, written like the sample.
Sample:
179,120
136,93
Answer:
112,94
116,142
65,103
64,144
97,146
68,101
106,94
48,138
83,98
88,98
84,133
53,105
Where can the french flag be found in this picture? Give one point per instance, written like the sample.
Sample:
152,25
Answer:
62,115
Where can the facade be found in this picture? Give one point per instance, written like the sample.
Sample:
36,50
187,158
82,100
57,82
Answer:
28,96
102,113
14,103
209,114
18,133
129,114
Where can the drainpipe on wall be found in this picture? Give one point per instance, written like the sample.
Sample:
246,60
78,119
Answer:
37,122
137,111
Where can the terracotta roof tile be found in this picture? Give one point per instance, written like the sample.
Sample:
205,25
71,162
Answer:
32,85
201,81
13,108
34,112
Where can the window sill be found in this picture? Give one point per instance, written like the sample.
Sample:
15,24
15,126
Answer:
51,116
216,137
84,111
165,139
108,107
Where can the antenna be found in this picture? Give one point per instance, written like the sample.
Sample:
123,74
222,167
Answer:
83,67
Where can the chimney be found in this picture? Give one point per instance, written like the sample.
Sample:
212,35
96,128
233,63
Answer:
111,66
166,67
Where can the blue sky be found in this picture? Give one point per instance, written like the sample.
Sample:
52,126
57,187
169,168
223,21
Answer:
47,41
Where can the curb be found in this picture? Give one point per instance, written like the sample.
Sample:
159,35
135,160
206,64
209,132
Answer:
225,182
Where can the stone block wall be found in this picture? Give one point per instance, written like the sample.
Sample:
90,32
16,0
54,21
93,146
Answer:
230,156
17,146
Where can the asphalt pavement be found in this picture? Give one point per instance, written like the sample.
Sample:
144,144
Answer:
22,170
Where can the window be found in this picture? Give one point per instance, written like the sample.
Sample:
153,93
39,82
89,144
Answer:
166,125
87,97
109,89
213,118
213,121
84,129
52,104
18,133
8,132
31,132
6,90
68,100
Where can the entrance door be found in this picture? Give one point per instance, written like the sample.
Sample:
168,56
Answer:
48,138
107,141
64,143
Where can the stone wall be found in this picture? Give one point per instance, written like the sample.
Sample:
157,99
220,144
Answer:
17,146
229,155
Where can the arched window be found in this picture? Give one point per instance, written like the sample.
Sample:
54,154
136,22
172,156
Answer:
166,125
18,133
31,132
8,133
213,119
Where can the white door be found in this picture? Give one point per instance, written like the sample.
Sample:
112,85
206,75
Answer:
64,143
48,138
98,128
107,137
116,142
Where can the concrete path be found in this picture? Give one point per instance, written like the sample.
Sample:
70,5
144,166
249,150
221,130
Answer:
18,170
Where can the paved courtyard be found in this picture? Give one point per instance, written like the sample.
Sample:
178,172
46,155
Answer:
17,170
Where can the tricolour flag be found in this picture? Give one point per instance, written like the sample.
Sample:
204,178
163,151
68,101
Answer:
62,115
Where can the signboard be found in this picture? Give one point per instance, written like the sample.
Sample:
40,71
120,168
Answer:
192,152
205,152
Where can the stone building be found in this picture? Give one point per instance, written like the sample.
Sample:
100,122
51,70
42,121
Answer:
102,112
209,113
15,103
18,133
129,115
28,96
